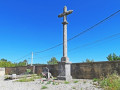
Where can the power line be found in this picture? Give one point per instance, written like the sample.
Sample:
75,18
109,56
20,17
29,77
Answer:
90,28
94,25
50,48
108,37
23,57
95,41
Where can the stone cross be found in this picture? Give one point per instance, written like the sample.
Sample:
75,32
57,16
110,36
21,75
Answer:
64,15
64,67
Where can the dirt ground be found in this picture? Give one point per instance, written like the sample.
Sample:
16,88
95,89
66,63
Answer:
75,84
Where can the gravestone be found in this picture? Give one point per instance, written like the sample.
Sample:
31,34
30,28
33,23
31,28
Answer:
46,73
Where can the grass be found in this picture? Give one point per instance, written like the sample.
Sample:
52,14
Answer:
25,80
44,87
66,82
49,82
7,78
75,81
95,80
73,87
53,83
111,82
32,78
84,82
54,77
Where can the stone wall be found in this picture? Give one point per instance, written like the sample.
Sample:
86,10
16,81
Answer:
18,70
2,71
78,70
52,68
94,70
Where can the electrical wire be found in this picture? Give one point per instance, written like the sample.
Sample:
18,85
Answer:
95,41
90,28
23,57
103,39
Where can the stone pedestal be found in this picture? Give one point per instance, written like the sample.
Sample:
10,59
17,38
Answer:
64,71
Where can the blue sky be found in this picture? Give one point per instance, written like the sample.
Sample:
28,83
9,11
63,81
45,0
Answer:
33,25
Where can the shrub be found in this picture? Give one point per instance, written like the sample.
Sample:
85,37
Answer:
111,82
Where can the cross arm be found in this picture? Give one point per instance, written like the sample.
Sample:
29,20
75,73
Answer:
61,15
65,13
68,12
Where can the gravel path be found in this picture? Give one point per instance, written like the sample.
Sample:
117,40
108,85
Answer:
83,84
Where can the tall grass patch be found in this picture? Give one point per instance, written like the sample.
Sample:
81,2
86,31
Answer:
111,82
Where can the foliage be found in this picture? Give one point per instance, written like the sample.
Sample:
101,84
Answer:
95,80
73,87
89,61
25,80
53,61
7,78
84,82
24,63
32,78
43,87
49,82
66,82
75,81
5,63
111,82
28,71
113,57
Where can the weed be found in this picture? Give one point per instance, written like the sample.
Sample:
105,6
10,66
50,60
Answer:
49,82
43,87
111,82
66,82
54,78
95,80
73,87
75,81
53,83
25,80
28,71
84,82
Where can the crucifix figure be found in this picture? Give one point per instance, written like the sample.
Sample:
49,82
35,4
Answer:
64,66
64,15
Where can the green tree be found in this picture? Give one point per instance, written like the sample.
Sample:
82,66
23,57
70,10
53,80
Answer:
4,59
113,57
53,61
5,63
89,61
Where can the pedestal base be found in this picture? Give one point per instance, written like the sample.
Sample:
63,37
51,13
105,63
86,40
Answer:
64,71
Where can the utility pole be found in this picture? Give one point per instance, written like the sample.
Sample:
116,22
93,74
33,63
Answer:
32,59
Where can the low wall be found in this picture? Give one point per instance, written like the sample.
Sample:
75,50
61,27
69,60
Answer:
94,70
78,70
52,68
17,70
2,71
